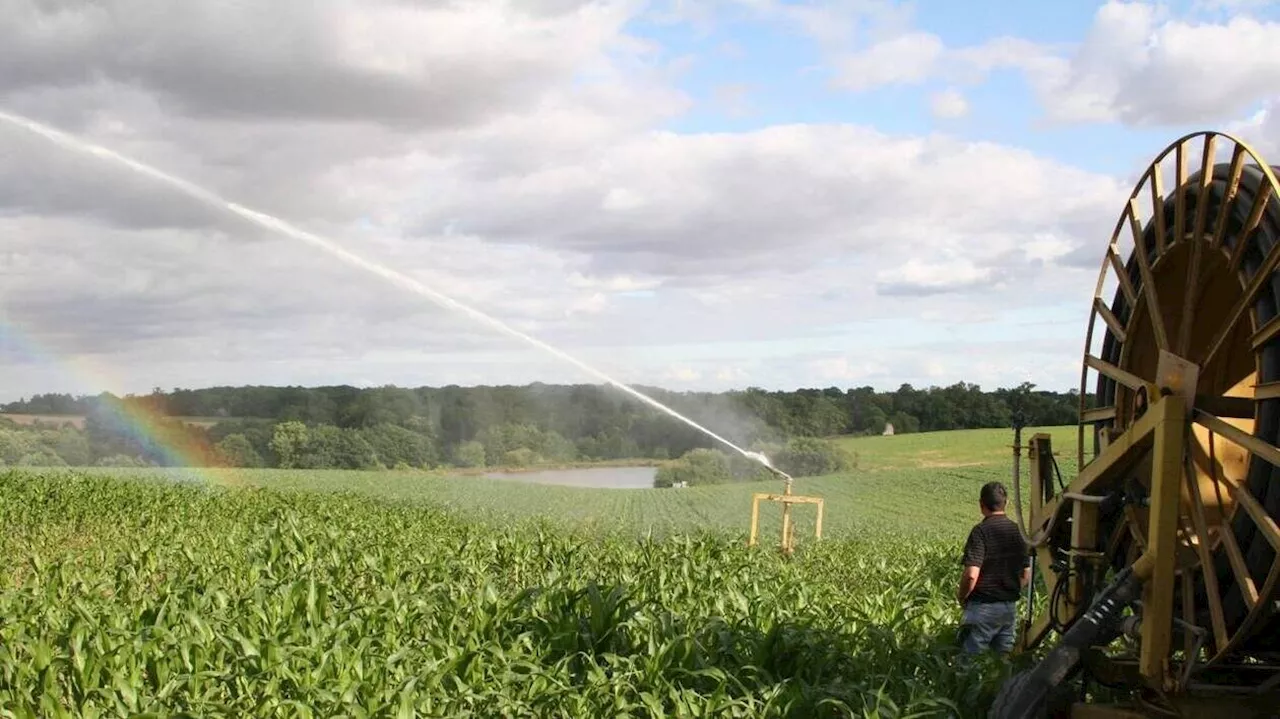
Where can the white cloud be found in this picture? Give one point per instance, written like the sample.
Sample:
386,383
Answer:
731,375
949,104
681,374
1047,247
917,276
620,199
913,57
398,62
1138,67
1261,131
520,167
1138,64
906,59
614,283
844,370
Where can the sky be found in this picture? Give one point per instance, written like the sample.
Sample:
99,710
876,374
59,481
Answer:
698,195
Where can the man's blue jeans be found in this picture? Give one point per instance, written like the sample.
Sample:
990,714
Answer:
988,625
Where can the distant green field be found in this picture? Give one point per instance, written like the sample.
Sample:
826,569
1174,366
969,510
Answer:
937,502
924,484
949,450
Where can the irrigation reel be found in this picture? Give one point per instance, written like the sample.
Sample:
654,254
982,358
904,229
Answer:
1161,554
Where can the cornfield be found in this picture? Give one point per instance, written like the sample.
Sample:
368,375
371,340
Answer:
123,598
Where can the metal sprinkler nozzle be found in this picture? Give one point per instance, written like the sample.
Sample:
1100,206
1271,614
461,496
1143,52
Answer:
779,474
763,460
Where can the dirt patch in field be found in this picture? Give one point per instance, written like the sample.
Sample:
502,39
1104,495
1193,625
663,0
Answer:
78,420
74,420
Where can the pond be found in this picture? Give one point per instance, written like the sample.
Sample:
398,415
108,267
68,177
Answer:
602,477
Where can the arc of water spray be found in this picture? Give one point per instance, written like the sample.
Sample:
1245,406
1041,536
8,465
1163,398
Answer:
404,281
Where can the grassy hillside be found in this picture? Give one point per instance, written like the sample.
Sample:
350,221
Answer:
951,450
923,484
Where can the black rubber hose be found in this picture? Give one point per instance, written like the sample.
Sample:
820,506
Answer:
1263,481
1030,694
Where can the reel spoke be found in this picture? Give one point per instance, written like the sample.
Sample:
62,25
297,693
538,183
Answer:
1260,448
1246,300
1126,284
1208,567
1128,379
1099,414
1243,580
1189,610
1266,333
1229,197
1255,214
1157,205
1148,283
1113,322
1180,199
1190,299
1206,182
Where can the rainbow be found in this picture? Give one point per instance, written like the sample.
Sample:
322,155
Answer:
160,436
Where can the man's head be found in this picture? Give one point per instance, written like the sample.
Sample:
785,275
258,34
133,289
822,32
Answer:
992,498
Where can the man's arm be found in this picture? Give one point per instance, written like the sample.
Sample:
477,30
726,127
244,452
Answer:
968,580
1025,579
974,552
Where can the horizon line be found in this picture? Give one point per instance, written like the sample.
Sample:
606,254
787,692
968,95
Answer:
734,390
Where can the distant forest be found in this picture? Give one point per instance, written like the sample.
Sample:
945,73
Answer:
356,428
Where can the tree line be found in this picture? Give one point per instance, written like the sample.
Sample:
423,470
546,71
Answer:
363,428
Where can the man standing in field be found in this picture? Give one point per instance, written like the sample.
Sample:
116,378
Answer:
997,566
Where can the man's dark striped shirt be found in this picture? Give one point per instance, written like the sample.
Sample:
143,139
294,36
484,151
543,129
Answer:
995,546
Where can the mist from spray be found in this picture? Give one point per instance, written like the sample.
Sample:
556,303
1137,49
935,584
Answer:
396,278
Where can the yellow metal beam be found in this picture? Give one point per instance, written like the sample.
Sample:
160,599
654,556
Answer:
1128,379
755,519
1110,464
1040,442
1115,459
786,500
1084,536
1162,538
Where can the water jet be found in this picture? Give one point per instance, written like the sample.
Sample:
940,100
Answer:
331,247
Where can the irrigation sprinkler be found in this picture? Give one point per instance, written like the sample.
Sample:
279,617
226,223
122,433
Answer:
786,499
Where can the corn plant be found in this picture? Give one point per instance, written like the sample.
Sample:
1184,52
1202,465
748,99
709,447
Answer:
129,598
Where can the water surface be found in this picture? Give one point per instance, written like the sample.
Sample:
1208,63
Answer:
602,477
